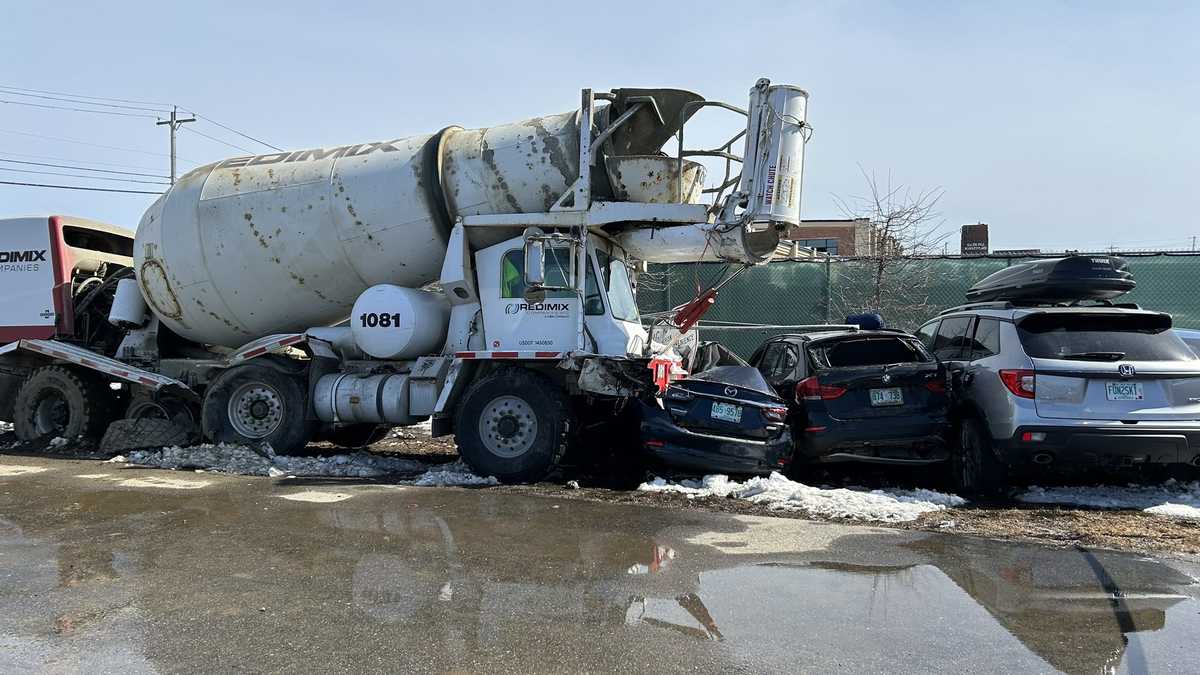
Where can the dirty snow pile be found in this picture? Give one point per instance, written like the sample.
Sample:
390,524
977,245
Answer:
242,460
246,461
778,492
1172,498
5,427
451,474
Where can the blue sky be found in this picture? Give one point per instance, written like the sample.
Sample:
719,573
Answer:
1060,124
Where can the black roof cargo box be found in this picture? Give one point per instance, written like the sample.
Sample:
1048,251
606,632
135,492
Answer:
1077,277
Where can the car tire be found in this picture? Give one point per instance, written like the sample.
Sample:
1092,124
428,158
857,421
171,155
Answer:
975,469
514,425
255,404
57,401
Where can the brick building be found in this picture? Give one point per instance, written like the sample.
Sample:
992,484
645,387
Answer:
842,237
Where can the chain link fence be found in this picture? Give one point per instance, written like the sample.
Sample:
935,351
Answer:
798,292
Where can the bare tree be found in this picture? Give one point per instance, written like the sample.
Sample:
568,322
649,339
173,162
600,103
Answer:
892,274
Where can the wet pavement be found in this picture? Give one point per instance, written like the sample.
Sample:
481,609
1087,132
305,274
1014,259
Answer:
112,569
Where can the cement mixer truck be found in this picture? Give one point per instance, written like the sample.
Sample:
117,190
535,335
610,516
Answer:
482,278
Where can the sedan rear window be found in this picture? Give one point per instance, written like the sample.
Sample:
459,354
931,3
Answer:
869,351
1102,337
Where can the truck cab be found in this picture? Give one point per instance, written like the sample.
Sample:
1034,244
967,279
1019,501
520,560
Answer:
519,317
47,263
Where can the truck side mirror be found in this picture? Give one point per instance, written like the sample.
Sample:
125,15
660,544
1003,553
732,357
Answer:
535,258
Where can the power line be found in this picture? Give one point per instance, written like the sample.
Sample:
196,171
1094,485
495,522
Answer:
79,99
97,98
214,138
79,187
69,159
83,110
80,175
94,145
82,168
212,121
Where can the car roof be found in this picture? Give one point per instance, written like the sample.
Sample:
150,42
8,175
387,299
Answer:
832,334
1021,312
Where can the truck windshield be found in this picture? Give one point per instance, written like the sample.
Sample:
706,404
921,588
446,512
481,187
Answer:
620,291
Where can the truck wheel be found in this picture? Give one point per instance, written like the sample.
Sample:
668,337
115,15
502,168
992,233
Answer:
60,401
513,424
254,404
976,471
357,435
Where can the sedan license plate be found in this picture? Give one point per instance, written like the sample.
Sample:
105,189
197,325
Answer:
1124,391
890,396
726,412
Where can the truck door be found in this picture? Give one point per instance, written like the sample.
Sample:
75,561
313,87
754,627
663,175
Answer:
512,323
27,278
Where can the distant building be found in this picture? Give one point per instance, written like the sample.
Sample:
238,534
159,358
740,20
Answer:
974,239
845,237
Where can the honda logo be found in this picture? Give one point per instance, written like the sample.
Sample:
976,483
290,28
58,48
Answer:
731,391
1126,370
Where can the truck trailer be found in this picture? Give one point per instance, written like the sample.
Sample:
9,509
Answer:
482,278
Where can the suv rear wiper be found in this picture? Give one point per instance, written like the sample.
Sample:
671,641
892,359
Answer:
1094,356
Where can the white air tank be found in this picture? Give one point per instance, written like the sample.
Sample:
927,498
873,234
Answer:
286,241
392,322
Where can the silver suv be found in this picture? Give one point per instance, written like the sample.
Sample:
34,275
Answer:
1066,386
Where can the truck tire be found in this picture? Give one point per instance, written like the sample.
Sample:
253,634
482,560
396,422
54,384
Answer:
513,424
357,435
254,404
57,401
975,469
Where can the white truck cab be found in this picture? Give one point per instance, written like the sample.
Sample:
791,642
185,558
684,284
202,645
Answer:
516,320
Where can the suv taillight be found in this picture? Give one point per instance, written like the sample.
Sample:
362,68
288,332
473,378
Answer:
1021,383
811,389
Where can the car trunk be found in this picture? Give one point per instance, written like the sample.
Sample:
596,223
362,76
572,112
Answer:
1128,367
873,392
877,377
726,401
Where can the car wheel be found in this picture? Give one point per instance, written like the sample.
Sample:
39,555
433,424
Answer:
976,470
56,401
514,425
255,404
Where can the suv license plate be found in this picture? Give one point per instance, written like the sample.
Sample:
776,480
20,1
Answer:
1124,391
890,396
726,412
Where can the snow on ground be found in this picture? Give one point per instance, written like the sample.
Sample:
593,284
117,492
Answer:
778,492
1172,498
5,427
246,461
237,459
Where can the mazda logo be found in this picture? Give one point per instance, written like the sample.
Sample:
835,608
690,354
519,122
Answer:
731,391
1126,370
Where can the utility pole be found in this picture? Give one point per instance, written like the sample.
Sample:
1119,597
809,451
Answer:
174,123
1193,242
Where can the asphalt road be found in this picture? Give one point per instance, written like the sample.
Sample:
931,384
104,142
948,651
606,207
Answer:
112,569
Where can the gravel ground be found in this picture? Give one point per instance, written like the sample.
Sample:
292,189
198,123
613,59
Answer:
1054,525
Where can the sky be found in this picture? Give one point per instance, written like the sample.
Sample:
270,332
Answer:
1061,124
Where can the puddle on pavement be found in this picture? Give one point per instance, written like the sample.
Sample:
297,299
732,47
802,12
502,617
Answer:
468,580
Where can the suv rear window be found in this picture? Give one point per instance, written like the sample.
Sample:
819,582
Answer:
1102,337
869,351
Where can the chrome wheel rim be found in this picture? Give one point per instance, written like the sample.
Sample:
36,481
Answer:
255,410
508,426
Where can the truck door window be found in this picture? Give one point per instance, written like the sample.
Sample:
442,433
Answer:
951,338
97,240
620,291
558,265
